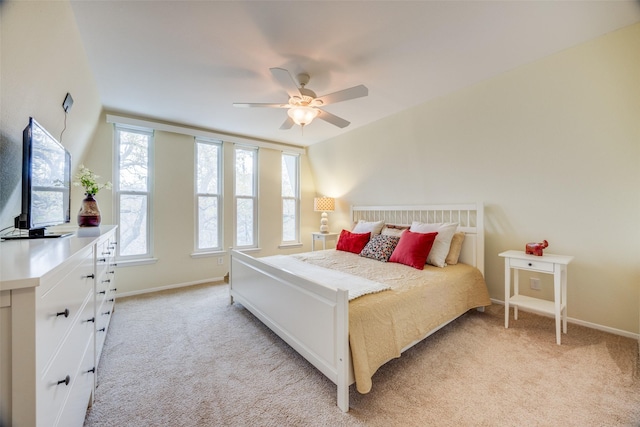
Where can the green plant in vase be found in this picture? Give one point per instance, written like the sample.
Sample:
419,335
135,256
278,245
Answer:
89,215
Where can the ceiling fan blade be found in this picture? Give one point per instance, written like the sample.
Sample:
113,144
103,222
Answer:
286,81
344,95
239,104
333,119
287,124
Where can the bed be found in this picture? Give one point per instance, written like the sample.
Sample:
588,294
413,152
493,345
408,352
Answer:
348,340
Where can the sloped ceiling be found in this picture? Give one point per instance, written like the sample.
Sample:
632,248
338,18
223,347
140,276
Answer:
188,61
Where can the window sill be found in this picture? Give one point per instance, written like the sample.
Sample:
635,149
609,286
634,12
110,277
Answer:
247,249
207,254
135,262
289,245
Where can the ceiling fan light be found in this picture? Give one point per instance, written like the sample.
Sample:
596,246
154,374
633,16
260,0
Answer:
302,115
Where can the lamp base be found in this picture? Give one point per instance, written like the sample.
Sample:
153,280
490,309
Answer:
324,223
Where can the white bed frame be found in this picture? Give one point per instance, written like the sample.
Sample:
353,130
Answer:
314,319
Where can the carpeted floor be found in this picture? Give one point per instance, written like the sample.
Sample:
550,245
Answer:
188,358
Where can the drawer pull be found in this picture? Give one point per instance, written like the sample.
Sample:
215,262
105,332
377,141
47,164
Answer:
91,371
102,292
113,289
93,319
112,272
106,253
111,300
89,276
530,265
106,313
101,330
65,381
102,260
106,281
64,313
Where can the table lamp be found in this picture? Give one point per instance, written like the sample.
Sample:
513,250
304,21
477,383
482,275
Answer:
324,205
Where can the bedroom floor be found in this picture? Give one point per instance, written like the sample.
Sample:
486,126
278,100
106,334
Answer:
187,358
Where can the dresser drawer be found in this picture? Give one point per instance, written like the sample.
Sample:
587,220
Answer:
53,392
102,261
102,327
103,318
75,409
105,285
81,331
533,265
53,278
60,308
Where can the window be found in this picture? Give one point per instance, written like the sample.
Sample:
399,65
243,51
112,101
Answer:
290,198
245,194
208,195
133,185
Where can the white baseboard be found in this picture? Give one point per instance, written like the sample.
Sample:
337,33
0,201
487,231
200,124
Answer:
164,288
585,323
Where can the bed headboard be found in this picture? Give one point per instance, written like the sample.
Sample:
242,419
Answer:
470,216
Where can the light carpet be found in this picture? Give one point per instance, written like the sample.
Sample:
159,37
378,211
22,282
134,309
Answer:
187,358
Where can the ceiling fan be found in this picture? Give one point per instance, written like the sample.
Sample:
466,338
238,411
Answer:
304,105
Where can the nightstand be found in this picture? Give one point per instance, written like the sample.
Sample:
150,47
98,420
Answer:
322,237
549,264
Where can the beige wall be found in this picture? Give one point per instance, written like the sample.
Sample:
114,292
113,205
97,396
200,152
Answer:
553,150
42,59
174,210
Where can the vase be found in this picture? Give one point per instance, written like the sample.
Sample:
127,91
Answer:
89,215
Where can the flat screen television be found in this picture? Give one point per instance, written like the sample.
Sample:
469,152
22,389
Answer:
46,183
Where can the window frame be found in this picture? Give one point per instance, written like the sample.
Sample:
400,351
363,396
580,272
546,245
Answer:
117,193
295,198
218,196
254,197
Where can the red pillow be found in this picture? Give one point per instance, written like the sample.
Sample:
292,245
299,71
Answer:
413,249
352,242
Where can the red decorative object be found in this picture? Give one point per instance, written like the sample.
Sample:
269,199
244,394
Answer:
536,248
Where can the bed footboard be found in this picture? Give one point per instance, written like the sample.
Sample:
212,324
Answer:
311,318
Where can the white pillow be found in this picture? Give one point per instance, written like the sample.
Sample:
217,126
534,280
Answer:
441,245
373,227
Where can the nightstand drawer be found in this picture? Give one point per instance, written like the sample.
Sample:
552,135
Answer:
324,238
532,265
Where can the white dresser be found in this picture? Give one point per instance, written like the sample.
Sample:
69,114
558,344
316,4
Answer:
58,296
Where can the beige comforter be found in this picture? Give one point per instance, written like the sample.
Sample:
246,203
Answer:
381,325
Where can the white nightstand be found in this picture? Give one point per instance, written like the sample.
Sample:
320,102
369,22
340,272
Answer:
323,237
549,264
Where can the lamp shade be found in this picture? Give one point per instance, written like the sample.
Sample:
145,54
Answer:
324,204
302,115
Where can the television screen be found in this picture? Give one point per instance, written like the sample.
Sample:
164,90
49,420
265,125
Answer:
50,166
46,184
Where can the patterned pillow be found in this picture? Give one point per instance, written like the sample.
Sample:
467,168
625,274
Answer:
380,247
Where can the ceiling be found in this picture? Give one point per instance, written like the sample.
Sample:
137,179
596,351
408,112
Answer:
187,62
